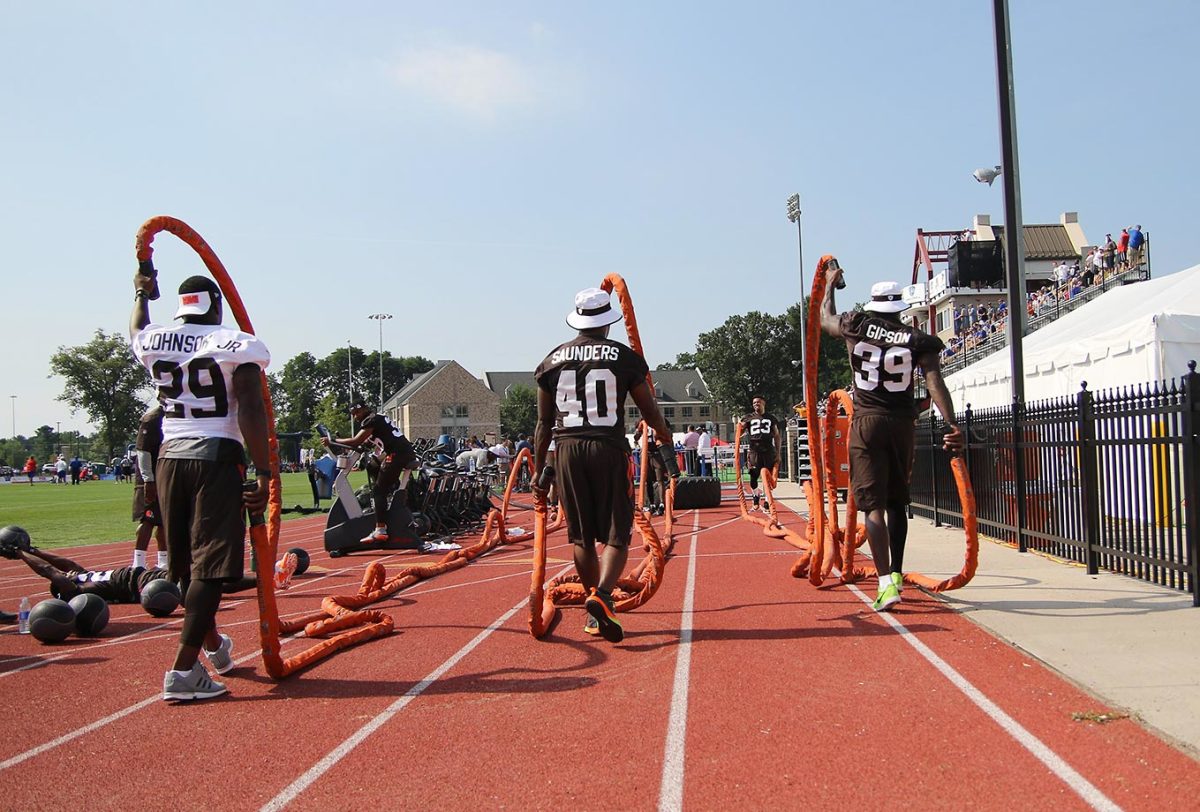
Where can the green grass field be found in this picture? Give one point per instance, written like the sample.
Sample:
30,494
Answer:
99,512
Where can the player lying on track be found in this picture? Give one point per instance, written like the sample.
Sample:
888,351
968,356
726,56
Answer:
582,386
69,578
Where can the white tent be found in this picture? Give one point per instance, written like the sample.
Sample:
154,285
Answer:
1134,334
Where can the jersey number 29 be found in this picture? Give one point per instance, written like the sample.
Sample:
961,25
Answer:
896,372
170,377
599,389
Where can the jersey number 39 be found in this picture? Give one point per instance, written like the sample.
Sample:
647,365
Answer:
895,371
580,405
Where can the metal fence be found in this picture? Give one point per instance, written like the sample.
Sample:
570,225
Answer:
1112,478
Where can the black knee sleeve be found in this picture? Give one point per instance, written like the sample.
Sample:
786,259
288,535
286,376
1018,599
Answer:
200,610
754,478
897,521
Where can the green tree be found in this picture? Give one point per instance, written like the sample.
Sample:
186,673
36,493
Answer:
105,380
396,372
13,451
753,354
333,415
298,396
685,360
44,444
518,411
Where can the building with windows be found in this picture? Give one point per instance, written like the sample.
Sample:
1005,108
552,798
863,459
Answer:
956,270
682,395
445,400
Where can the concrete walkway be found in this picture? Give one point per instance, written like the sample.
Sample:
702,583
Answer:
1132,643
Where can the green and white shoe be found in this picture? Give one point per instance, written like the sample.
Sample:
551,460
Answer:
889,596
898,581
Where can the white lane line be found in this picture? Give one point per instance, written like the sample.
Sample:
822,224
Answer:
670,791
1089,792
99,723
293,790
1085,789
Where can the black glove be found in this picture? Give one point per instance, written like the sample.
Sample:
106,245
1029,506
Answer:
666,453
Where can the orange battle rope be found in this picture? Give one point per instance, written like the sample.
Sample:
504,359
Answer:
812,563
635,587
340,616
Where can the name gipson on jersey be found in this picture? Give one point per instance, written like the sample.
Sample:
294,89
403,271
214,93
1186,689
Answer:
585,352
877,331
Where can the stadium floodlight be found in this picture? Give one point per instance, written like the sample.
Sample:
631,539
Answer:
986,175
793,213
381,318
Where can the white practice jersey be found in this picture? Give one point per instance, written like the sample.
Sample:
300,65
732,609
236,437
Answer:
192,365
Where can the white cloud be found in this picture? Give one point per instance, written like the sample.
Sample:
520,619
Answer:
474,80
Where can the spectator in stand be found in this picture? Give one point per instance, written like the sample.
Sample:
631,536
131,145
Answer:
1123,249
1108,254
1136,241
523,442
1089,268
76,469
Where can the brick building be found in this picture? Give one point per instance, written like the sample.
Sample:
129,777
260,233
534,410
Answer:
445,400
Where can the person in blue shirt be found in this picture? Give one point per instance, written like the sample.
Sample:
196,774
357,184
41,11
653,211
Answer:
1136,241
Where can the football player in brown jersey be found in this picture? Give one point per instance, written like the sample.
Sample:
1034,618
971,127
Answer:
884,353
582,386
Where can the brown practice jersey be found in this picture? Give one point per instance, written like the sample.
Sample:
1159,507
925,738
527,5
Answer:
883,355
759,431
590,379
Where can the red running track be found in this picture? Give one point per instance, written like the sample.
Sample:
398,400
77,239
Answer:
737,686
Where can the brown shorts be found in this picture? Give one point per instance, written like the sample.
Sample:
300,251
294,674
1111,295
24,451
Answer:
881,455
143,513
201,503
595,491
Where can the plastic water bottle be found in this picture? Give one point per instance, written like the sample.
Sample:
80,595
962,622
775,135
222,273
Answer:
472,463
23,617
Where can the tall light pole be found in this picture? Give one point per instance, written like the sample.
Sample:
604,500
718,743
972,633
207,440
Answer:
381,318
793,212
1014,250
350,377
58,436
14,415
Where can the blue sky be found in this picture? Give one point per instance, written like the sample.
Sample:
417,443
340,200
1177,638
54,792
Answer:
469,166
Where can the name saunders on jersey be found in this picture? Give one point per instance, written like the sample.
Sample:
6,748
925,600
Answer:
876,331
585,352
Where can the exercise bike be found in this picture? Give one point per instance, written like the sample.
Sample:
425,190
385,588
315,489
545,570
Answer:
350,521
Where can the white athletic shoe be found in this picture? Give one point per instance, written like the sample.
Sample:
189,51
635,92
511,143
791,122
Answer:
196,685
222,659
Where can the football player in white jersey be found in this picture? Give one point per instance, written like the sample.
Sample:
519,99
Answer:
209,381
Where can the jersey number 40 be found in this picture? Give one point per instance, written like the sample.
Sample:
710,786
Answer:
594,402
895,371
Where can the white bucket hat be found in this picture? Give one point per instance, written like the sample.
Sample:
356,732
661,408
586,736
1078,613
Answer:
886,297
593,308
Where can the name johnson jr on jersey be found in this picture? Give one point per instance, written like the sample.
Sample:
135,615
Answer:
585,352
182,342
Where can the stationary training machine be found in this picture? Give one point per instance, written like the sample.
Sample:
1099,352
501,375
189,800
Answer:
349,522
